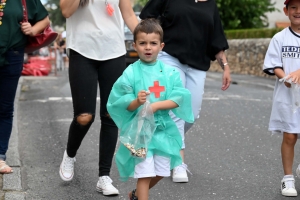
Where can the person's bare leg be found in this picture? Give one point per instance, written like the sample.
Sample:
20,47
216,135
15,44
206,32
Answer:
154,181
182,154
287,152
142,188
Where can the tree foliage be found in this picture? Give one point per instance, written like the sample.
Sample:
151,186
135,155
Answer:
241,14
55,14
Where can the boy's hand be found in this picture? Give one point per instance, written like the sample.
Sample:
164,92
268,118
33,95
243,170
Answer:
142,97
295,76
287,84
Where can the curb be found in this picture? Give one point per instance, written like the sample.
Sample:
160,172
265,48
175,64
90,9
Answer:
12,183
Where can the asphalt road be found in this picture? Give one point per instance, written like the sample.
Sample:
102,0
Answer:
229,150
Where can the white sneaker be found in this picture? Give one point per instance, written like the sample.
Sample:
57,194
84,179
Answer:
288,186
104,185
179,174
66,170
298,171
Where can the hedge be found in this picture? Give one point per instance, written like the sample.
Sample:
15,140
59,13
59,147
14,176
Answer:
251,33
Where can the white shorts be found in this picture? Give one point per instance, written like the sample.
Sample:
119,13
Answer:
153,166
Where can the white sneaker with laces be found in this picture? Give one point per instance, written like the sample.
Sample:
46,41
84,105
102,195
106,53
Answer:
179,174
66,170
288,186
104,186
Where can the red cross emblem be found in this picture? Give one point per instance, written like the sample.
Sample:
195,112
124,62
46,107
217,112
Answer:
156,89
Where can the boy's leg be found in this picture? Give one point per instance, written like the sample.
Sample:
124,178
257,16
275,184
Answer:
287,152
142,188
154,181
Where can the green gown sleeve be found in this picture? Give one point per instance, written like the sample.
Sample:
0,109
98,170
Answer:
182,97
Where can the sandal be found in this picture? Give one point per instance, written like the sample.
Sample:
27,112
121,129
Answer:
132,195
4,168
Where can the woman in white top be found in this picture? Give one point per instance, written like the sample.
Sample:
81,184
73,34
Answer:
95,45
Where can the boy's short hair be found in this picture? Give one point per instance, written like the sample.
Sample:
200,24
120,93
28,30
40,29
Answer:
149,25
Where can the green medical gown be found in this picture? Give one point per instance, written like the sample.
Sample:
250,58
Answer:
166,140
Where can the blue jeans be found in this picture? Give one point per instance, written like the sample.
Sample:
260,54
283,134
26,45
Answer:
193,80
9,78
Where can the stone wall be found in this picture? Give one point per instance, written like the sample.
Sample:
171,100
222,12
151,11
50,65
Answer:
245,56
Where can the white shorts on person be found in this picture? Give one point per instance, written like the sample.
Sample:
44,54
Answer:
153,166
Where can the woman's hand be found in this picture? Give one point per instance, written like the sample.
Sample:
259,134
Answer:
27,29
38,27
226,78
222,60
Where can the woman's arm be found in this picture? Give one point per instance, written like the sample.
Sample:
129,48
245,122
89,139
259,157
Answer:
68,7
128,15
221,58
27,29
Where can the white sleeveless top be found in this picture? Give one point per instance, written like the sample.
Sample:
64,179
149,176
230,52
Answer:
95,34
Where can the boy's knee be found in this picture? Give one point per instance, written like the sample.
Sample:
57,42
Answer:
84,119
290,138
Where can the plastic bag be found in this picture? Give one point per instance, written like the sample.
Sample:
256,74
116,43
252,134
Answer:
139,134
295,90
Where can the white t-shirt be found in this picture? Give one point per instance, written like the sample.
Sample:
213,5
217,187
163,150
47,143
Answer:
95,34
283,52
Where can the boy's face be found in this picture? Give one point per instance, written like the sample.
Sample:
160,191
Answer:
148,46
293,12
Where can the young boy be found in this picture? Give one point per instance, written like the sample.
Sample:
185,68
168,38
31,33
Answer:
283,58
166,93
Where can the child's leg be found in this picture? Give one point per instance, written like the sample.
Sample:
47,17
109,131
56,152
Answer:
142,183
142,188
287,152
154,181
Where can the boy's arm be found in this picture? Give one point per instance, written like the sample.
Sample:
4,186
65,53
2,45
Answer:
163,105
140,100
280,74
133,105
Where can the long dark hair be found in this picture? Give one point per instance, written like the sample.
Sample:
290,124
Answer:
83,3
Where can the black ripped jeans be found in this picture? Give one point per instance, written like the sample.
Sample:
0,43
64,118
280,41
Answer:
84,76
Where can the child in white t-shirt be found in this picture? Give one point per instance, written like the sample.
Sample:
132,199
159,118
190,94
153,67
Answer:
282,59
